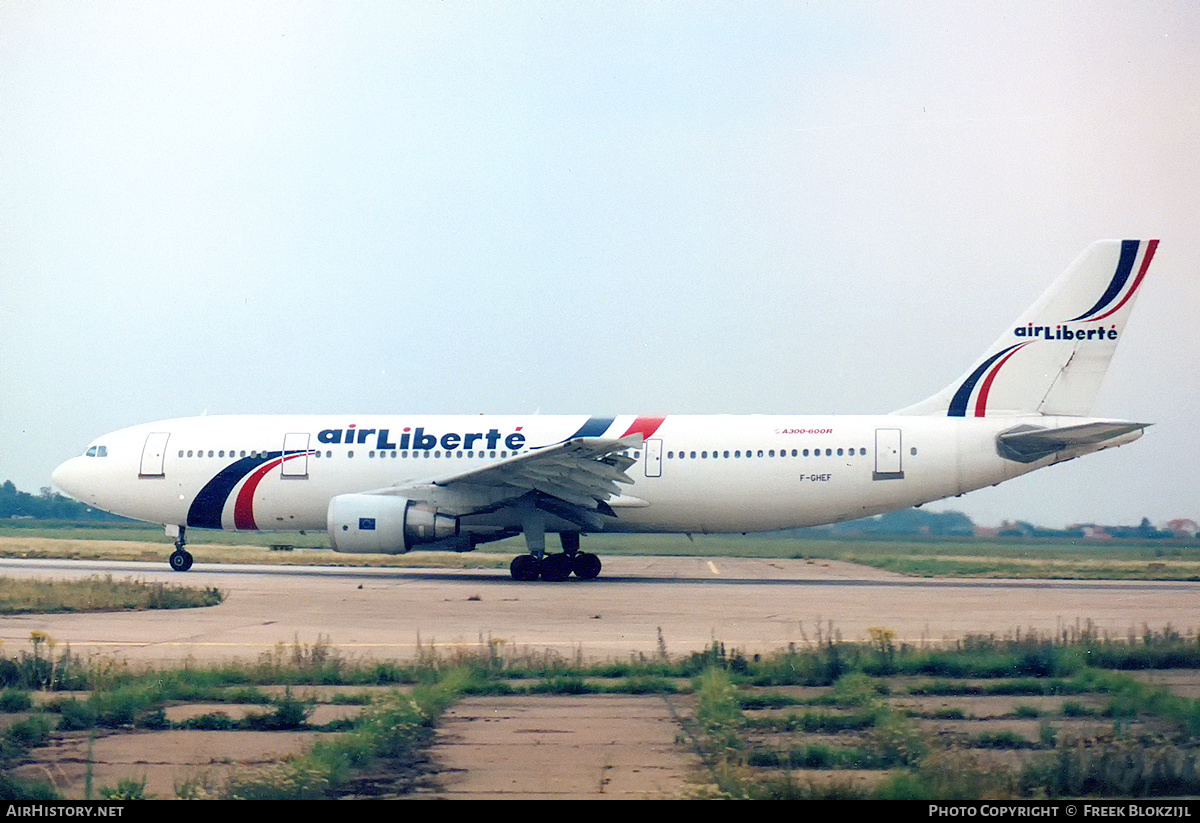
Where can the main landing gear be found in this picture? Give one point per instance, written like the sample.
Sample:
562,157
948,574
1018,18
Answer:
181,558
555,567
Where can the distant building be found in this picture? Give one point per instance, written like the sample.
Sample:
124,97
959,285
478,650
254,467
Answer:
1183,527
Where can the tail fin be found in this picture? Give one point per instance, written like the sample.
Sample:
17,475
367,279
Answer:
1052,359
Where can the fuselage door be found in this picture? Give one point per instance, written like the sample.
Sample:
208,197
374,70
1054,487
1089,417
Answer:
888,464
653,458
153,454
295,443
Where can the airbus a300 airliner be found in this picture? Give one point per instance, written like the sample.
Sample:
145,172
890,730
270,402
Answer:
391,483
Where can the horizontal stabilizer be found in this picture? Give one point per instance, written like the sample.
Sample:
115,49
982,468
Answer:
1026,444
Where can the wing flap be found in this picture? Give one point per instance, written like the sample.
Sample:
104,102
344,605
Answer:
576,477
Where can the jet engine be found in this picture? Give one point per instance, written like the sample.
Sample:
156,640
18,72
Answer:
384,524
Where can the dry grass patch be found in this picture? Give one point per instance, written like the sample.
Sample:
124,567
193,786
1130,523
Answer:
99,594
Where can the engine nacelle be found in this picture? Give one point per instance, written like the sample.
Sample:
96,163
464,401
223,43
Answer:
384,524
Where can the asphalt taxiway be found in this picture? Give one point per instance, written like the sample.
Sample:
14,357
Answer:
640,606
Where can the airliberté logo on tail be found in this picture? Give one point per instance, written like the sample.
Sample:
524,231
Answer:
1065,332
1120,290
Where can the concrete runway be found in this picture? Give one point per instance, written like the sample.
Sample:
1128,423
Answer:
756,606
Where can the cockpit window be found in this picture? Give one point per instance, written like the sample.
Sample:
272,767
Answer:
97,451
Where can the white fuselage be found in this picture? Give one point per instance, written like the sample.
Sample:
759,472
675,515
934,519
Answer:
693,474
387,483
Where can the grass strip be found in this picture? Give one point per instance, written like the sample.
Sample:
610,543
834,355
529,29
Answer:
99,594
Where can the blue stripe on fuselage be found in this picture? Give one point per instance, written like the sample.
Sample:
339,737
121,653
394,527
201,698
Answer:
594,427
205,511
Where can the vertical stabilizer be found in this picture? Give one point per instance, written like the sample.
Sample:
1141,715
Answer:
1052,359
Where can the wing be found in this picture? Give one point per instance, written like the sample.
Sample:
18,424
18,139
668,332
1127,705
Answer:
576,480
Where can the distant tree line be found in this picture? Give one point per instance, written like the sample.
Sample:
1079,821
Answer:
1143,531
910,521
904,522
46,505
956,524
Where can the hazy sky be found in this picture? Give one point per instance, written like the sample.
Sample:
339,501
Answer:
596,208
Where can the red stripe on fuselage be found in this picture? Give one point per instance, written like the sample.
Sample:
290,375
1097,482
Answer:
243,507
645,426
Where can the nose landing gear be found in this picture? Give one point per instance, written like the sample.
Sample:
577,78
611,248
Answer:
181,558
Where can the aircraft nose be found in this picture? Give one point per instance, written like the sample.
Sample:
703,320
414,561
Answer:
66,477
